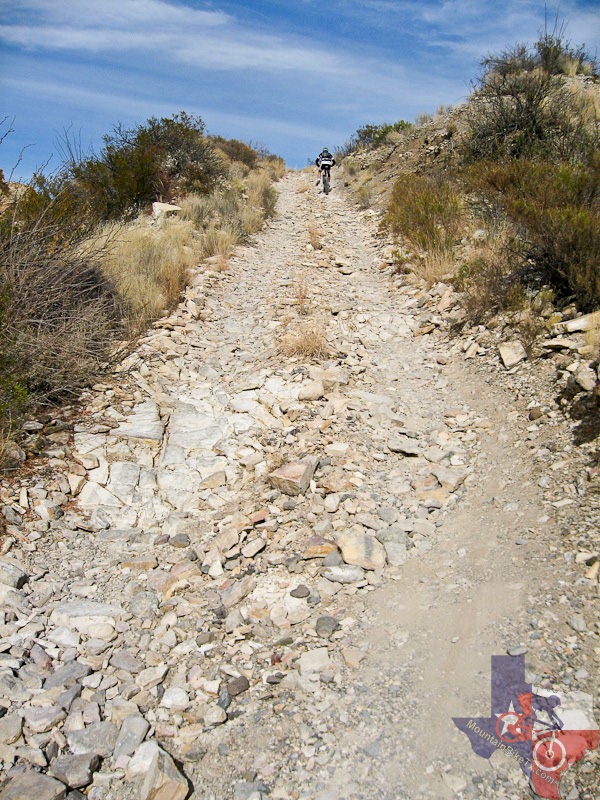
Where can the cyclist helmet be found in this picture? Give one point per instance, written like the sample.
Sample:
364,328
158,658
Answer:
325,150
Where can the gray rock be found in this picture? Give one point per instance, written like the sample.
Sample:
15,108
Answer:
40,720
33,786
144,604
326,625
11,574
578,623
132,734
517,650
300,591
333,559
99,738
245,789
67,675
75,771
123,659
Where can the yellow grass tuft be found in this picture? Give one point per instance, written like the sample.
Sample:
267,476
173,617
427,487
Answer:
314,235
309,343
149,267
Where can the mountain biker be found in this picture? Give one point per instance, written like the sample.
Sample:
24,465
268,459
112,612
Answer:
324,161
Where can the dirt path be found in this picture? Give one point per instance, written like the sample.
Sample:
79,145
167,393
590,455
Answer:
187,588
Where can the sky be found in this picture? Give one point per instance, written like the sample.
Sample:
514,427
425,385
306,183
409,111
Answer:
292,76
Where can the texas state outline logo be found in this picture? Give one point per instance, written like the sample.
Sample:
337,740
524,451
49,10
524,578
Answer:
545,732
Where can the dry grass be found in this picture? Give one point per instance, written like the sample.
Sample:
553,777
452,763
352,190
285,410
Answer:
301,292
219,240
149,267
434,267
314,235
592,336
308,343
303,189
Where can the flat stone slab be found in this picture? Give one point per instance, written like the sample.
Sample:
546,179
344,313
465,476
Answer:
33,786
144,423
512,353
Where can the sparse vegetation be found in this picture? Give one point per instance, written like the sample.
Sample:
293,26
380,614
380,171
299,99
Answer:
301,292
525,167
427,212
370,136
76,282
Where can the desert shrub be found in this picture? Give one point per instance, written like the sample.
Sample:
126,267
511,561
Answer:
236,150
529,115
307,342
260,191
56,311
370,136
555,210
364,195
522,107
153,161
489,283
427,211
422,119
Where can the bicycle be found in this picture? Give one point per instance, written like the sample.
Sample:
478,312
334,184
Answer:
326,175
513,727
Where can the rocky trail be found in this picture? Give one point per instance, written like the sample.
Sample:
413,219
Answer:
249,574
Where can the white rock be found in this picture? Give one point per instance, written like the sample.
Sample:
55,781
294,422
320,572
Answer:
314,661
176,699
512,353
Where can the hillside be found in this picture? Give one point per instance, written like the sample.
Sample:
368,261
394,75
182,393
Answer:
274,543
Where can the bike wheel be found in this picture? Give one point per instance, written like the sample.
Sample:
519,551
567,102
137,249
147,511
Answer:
549,754
325,182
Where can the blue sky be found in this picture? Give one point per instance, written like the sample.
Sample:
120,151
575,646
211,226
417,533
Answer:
293,76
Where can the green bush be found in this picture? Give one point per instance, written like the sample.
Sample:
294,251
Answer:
236,150
427,211
555,208
153,161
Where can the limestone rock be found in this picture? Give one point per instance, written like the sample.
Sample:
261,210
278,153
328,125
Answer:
512,353
361,549
163,780
344,573
450,478
585,378
294,478
311,390
404,445
314,661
